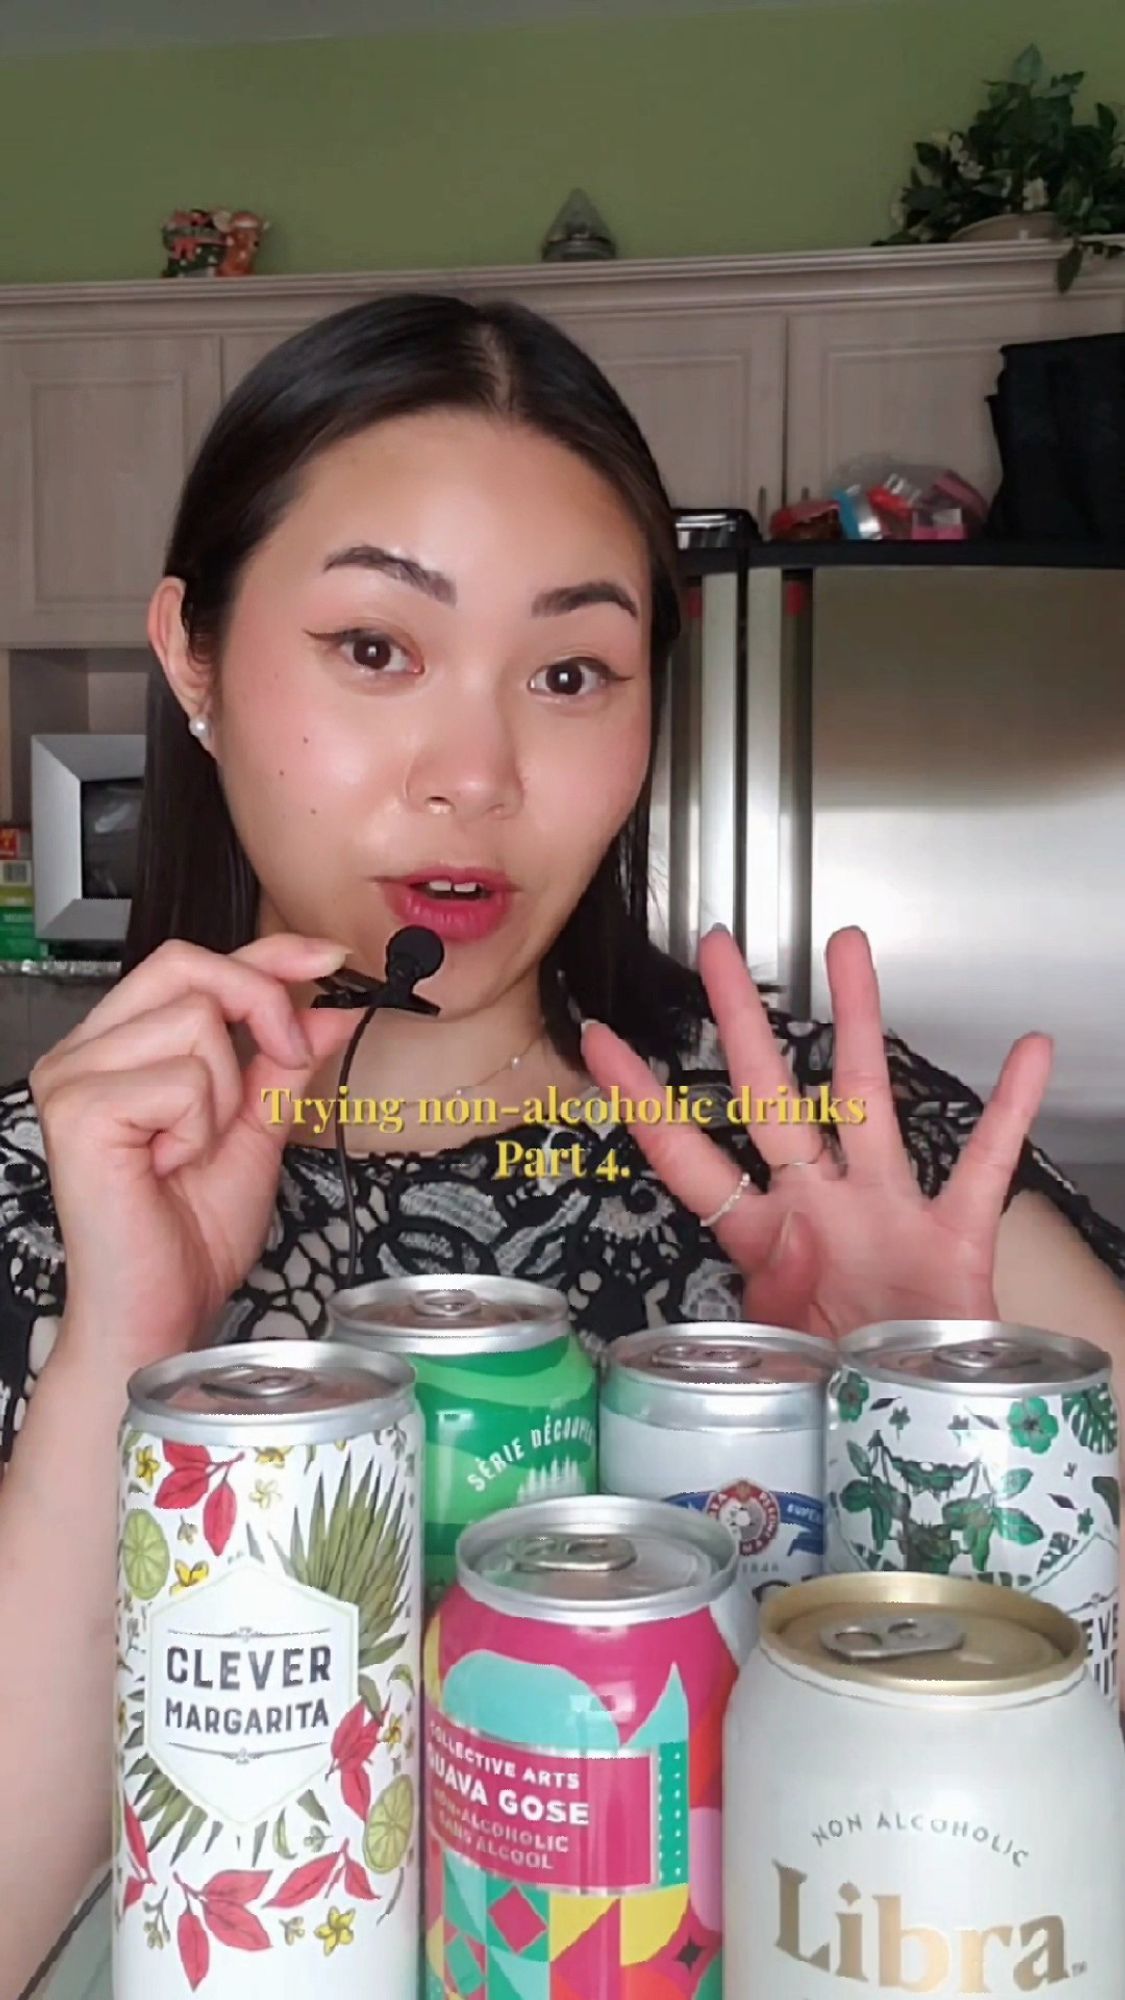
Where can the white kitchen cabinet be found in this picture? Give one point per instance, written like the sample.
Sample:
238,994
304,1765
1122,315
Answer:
707,388
752,378
911,379
243,350
97,429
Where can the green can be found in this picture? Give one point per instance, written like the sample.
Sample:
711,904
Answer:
508,1397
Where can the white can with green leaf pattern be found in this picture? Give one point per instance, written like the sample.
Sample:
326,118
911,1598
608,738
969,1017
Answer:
268,1659
980,1448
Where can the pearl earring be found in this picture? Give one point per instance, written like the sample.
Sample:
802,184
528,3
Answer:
199,727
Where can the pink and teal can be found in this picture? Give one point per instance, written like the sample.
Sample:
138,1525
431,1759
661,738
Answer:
577,1677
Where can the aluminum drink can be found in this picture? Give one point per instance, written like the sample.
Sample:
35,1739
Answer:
975,1448
729,1421
576,1679
266,1839
926,1794
508,1396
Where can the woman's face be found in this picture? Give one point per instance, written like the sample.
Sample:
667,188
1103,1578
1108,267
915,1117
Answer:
437,670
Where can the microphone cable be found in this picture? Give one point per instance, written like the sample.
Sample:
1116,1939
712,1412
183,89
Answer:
413,954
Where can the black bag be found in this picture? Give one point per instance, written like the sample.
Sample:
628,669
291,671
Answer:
1059,418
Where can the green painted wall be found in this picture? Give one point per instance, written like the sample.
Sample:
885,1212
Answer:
785,127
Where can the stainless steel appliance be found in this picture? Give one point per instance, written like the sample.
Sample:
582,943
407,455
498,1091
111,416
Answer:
937,756
85,818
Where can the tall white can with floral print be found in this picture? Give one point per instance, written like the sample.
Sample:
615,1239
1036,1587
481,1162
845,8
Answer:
268,1663
978,1448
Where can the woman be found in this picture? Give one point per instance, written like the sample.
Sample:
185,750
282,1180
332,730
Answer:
419,600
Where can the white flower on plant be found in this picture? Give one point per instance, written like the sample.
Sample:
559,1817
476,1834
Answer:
898,213
1035,194
957,146
971,168
943,139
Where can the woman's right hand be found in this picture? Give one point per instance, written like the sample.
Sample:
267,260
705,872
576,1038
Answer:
162,1155
847,1237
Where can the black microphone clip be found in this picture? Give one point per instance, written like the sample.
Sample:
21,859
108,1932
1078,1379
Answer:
413,954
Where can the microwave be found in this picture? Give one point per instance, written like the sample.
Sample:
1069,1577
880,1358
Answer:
85,834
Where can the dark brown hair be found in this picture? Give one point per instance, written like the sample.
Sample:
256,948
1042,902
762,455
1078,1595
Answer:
389,357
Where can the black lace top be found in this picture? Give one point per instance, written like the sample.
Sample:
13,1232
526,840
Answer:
622,1250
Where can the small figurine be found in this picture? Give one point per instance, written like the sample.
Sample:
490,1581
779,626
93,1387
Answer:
242,239
193,244
212,243
577,232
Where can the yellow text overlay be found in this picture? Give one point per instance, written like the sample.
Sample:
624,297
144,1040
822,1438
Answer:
672,1104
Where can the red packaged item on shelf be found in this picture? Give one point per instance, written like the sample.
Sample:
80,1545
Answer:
807,521
939,524
883,500
949,486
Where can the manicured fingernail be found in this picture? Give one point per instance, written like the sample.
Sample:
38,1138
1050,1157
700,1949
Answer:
590,1024
717,930
328,953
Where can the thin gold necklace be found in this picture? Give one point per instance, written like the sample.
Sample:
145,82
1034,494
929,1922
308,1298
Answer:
513,1063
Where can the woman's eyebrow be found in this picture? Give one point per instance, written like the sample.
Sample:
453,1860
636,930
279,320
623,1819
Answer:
549,603
575,596
404,569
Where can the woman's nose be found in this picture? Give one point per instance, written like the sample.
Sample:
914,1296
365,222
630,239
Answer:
471,769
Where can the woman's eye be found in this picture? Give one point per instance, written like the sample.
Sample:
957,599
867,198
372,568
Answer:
375,653
570,677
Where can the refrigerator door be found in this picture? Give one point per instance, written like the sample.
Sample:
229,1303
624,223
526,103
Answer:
774,831
968,811
695,820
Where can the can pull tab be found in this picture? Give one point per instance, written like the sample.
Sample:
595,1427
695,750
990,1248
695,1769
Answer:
985,1357
450,1305
579,1555
887,1637
249,1384
719,1357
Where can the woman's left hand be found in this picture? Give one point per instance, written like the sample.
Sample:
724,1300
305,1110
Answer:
843,1236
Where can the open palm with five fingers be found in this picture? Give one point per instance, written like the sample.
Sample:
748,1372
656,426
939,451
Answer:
844,1235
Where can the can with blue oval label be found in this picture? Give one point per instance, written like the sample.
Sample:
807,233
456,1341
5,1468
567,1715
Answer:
728,1420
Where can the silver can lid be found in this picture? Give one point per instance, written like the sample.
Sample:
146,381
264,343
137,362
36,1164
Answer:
280,1386
449,1313
720,1354
594,1559
980,1356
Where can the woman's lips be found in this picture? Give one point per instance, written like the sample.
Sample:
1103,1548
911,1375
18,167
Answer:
460,919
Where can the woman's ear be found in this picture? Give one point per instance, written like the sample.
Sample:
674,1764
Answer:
190,679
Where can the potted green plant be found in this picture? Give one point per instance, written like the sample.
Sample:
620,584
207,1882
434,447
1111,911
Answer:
1026,156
